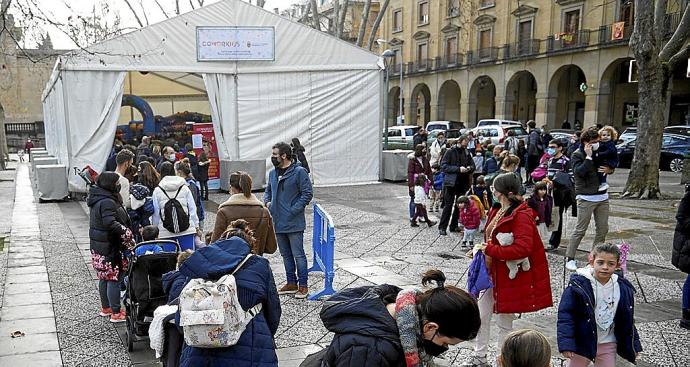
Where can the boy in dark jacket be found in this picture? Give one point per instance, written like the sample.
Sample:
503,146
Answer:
596,317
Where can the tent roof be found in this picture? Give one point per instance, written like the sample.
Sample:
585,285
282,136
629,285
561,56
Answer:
170,46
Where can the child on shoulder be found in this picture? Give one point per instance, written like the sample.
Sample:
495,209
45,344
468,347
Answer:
541,203
595,316
470,218
420,201
606,154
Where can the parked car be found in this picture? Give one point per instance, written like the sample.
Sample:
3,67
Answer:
450,135
444,125
679,129
492,122
630,133
498,133
562,134
673,148
400,137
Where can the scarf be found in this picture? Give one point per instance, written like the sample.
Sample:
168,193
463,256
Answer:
409,329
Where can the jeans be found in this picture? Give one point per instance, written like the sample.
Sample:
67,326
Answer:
585,210
203,185
504,321
412,206
110,294
449,194
555,239
291,246
686,294
606,357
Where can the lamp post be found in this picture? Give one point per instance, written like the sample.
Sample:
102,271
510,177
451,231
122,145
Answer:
386,55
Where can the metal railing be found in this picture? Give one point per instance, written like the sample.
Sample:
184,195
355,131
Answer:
568,40
606,34
523,48
422,65
485,55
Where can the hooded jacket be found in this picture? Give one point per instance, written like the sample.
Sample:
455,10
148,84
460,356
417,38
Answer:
256,347
470,216
171,184
577,327
414,167
585,174
530,291
288,195
106,218
365,332
253,211
680,255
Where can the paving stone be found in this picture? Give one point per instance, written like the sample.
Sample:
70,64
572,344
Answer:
28,326
17,263
27,278
41,359
40,287
28,299
26,312
28,344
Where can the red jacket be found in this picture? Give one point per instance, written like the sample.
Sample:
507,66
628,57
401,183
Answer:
530,290
469,216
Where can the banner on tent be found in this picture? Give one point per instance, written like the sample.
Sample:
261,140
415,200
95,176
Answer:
235,43
209,138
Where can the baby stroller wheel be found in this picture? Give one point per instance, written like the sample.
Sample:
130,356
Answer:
130,336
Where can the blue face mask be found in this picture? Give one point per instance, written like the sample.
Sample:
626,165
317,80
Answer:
551,151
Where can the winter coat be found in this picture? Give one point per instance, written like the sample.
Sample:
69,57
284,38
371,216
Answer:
563,196
438,181
680,256
253,211
173,283
450,165
435,151
193,162
203,169
286,197
607,154
301,157
585,174
534,144
256,347
530,290
490,165
544,217
470,216
196,194
415,168
171,184
106,220
365,332
143,149
577,328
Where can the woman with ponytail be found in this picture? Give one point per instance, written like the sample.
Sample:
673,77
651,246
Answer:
242,204
386,326
510,234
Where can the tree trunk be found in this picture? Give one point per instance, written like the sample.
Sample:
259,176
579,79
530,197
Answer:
377,23
336,16
343,14
363,23
315,13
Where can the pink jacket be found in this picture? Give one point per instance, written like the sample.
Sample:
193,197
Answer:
469,216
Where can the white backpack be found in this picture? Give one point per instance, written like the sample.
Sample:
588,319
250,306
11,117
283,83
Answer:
210,313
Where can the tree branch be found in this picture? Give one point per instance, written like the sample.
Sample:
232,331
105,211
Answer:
343,14
162,9
678,57
136,16
315,15
680,36
660,7
143,11
191,3
377,23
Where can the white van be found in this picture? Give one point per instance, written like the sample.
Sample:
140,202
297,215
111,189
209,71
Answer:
497,122
444,125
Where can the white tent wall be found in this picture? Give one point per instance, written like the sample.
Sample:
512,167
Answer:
222,95
55,127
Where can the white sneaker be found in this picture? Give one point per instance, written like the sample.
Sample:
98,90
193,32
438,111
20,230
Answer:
603,187
571,265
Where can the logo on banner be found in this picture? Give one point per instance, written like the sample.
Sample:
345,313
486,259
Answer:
235,43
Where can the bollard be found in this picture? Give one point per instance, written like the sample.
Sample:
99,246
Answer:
323,244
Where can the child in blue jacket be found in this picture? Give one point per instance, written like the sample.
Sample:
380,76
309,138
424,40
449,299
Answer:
596,317
437,187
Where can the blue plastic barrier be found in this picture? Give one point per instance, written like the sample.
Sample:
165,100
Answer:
323,244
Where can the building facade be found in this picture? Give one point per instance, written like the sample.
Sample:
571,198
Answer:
545,60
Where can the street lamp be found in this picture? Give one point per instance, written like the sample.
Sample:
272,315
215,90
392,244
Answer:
387,55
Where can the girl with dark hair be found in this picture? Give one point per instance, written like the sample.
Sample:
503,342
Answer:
175,187
387,326
510,234
242,204
148,176
298,151
167,169
109,234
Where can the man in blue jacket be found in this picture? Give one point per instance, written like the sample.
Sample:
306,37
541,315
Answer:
287,194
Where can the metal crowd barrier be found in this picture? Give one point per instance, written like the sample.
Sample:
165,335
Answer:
323,244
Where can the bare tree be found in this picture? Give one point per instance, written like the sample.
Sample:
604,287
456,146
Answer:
363,23
656,60
315,14
336,16
341,19
134,12
377,23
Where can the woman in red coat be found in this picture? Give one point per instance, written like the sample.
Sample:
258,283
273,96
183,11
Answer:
511,235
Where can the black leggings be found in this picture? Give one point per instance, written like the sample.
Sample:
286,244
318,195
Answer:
204,189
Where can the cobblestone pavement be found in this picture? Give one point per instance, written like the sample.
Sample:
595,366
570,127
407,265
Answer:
374,245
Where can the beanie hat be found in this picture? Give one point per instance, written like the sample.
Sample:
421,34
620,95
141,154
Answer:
507,183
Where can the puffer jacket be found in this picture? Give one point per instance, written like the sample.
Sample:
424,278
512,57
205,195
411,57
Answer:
256,347
577,328
253,211
171,184
530,291
414,168
470,216
106,218
173,283
680,255
450,165
365,332
288,196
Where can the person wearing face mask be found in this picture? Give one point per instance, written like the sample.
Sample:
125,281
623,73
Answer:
457,165
528,290
288,192
591,199
124,160
168,155
386,326
560,174
436,147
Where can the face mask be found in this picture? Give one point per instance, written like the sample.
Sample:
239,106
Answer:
595,146
551,151
432,348
276,161
171,157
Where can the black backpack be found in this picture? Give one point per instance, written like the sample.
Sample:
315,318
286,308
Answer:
174,218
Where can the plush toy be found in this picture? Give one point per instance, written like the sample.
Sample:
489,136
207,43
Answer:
506,239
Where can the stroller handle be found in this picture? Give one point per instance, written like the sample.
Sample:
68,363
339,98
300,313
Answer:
161,243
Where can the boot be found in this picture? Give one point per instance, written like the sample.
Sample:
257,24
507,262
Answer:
685,321
413,223
431,223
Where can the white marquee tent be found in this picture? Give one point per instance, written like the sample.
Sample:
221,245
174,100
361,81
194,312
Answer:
321,89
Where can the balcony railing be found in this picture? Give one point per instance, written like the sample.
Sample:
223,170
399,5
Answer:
523,48
607,33
487,54
422,65
568,40
450,60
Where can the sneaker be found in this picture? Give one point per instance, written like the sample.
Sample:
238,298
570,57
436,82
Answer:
302,293
476,361
603,187
571,265
431,223
105,311
288,289
118,317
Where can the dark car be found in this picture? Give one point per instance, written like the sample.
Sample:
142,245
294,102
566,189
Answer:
673,148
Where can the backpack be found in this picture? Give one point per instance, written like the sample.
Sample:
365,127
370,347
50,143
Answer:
210,313
175,219
511,145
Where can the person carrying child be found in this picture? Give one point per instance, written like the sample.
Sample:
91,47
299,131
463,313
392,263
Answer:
595,316
436,188
420,201
525,348
470,218
541,203
607,154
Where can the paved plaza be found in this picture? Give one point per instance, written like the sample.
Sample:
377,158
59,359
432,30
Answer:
48,289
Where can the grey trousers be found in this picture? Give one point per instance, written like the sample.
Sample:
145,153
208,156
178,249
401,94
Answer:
585,210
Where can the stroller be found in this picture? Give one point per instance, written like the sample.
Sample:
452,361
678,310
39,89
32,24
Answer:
148,262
